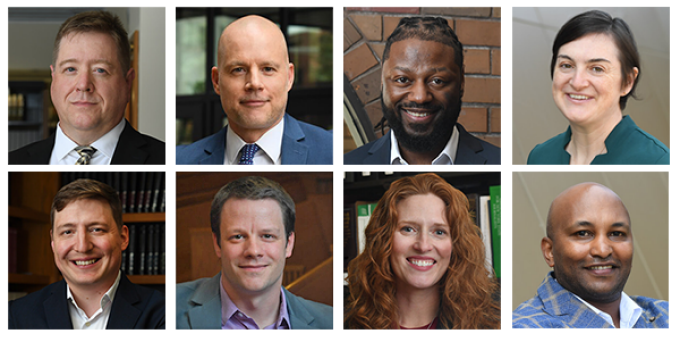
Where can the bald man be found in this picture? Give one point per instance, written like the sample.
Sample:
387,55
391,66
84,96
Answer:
589,245
252,77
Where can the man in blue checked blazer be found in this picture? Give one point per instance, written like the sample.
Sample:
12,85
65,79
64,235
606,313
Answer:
589,245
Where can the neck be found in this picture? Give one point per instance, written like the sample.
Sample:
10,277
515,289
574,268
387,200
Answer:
421,158
85,138
417,308
89,298
587,141
251,136
263,307
611,308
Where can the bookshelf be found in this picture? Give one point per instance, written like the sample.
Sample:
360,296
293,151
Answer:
30,200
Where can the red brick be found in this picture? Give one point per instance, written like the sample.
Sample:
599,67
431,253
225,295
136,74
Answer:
369,25
473,119
476,61
368,86
351,35
482,89
347,141
357,61
390,23
478,32
459,11
378,48
411,10
496,12
495,120
492,139
496,62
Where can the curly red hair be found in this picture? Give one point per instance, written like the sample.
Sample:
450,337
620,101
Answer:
466,290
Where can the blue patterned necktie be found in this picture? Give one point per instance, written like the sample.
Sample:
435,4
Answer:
247,154
85,153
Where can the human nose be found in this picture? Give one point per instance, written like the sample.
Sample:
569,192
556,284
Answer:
253,248
423,243
85,82
83,242
600,247
253,81
420,93
579,79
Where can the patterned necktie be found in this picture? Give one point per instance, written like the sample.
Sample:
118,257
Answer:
85,153
247,154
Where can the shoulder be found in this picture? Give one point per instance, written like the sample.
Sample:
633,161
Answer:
549,152
192,153
530,314
640,147
655,312
28,312
204,286
156,149
150,302
314,137
35,153
651,304
379,147
322,313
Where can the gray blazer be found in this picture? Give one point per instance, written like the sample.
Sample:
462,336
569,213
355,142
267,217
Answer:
199,307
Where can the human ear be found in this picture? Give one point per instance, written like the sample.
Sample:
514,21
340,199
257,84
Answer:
630,80
547,248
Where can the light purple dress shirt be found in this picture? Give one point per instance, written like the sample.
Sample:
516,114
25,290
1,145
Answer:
233,318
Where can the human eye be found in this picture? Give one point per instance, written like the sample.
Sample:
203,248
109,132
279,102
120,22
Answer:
438,81
401,80
565,66
100,71
583,233
236,237
597,69
618,235
269,70
69,70
238,70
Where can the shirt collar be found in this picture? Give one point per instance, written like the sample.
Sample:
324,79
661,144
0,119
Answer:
231,313
629,311
105,145
107,298
269,143
446,157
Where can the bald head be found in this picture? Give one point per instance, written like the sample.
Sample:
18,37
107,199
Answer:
577,198
252,30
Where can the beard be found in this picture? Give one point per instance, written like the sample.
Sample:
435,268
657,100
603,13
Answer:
422,137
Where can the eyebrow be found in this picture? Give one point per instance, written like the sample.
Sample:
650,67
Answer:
592,60
590,224
406,69
96,61
237,63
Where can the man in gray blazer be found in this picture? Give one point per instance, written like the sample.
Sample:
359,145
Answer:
253,222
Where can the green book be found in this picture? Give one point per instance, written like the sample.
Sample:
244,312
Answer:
495,213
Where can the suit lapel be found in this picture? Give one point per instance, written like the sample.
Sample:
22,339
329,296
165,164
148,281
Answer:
468,149
124,314
213,150
379,153
293,152
128,148
207,312
41,152
56,309
300,318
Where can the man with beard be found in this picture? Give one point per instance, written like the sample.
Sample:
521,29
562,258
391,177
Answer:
589,245
422,87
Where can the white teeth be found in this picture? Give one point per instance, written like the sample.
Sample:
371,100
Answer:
600,267
578,97
418,115
421,263
85,262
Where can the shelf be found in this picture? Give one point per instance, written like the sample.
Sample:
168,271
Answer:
143,217
28,214
28,279
147,279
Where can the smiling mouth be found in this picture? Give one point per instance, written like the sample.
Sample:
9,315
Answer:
579,97
417,114
85,262
421,262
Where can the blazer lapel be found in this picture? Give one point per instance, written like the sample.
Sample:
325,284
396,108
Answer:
379,153
213,148
56,309
300,318
293,152
128,148
207,312
468,148
124,314
40,152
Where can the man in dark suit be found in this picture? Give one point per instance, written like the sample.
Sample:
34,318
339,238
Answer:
253,76
87,239
91,86
422,89
253,225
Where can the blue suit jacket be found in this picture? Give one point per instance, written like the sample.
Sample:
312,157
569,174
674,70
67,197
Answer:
555,307
471,150
302,143
134,307
199,307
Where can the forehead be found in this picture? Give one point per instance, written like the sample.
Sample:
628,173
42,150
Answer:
592,46
593,204
83,45
84,208
253,43
420,53
242,213
427,206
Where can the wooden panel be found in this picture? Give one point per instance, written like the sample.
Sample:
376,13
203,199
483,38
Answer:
317,284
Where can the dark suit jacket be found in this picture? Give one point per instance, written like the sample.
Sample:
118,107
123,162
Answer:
133,148
471,150
302,143
199,307
134,307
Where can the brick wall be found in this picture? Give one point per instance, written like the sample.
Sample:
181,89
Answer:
478,29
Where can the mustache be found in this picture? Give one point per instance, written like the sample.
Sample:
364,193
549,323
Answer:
415,105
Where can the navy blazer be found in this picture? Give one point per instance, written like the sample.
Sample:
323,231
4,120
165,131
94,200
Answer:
133,148
199,307
302,143
471,150
134,307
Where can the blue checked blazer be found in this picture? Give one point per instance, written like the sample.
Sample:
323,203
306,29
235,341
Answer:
555,307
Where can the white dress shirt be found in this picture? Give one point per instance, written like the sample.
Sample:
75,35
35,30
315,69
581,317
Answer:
99,319
63,152
446,157
629,312
269,143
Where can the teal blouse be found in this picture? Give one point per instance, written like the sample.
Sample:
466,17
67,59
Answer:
626,144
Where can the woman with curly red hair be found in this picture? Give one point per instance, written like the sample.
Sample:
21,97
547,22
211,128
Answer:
423,263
